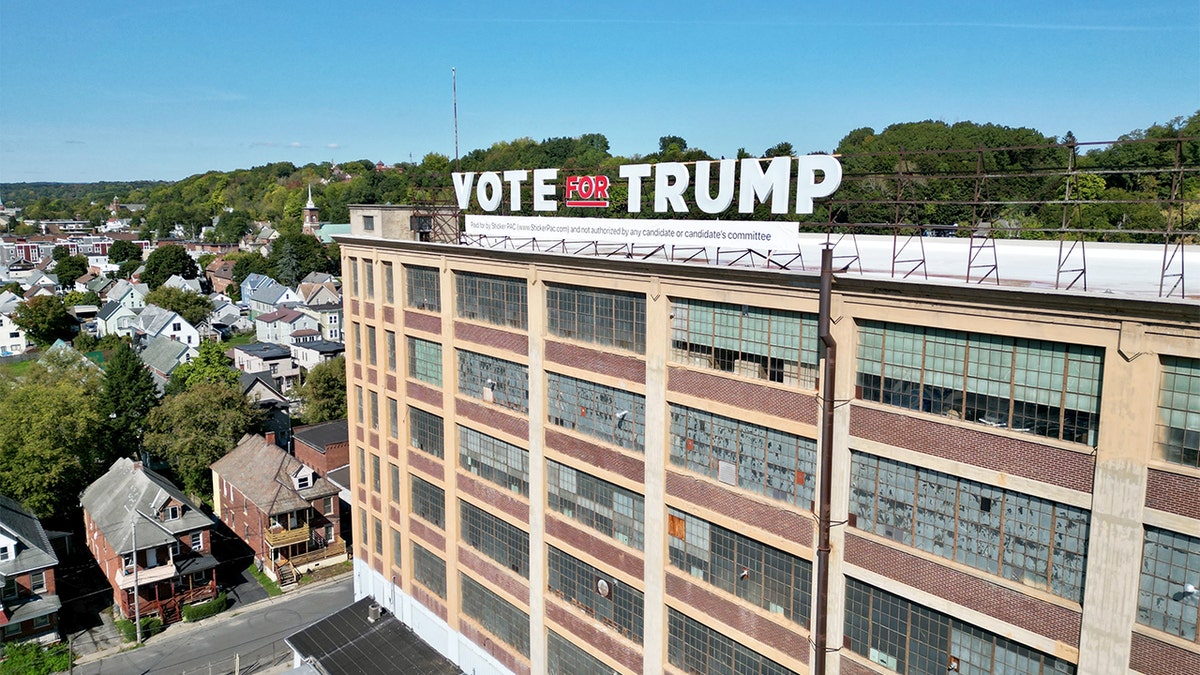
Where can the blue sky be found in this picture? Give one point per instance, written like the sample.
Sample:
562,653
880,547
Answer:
166,89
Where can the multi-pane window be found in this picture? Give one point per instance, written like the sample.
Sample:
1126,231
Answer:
564,658
356,332
397,547
429,502
389,283
393,417
492,459
767,344
502,301
394,475
1178,429
612,415
615,604
369,277
497,616
378,536
375,478
695,648
372,351
373,408
354,275
429,571
1011,534
424,288
390,340
495,538
360,403
362,467
611,318
493,380
426,432
908,638
1044,388
602,506
762,575
425,361
773,463
1170,561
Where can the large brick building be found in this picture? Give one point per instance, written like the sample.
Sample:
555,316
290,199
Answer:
584,464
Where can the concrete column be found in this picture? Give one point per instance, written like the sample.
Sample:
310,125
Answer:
537,478
1129,405
658,331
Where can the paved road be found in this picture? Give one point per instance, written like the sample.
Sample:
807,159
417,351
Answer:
255,633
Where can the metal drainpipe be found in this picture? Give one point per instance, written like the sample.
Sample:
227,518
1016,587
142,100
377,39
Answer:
821,617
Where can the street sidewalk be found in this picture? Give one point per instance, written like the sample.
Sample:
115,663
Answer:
184,628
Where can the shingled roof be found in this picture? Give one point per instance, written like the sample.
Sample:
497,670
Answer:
34,551
115,500
263,472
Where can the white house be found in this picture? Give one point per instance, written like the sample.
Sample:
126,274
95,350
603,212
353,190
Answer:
12,337
277,327
158,322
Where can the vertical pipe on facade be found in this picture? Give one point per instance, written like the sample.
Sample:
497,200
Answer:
829,346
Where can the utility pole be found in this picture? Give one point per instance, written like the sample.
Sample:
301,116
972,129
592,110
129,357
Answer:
137,611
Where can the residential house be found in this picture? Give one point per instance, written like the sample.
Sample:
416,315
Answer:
321,278
163,355
9,301
308,353
274,359
252,283
227,317
116,319
130,294
101,285
12,337
319,293
278,326
287,513
189,285
271,298
27,561
155,321
152,543
328,318
82,282
260,388
220,274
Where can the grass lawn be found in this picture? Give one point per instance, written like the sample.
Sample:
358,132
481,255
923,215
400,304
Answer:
240,339
263,580
16,369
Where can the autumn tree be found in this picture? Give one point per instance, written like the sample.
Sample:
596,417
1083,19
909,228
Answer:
194,428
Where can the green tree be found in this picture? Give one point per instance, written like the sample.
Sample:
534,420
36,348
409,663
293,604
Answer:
69,269
127,268
193,307
323,394
211,366
294,256
196,427
14,287
247,263
122,250
74,298
48,423
45,319
124,401
166,261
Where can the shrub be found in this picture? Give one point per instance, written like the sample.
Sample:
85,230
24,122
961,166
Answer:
151,625
204,610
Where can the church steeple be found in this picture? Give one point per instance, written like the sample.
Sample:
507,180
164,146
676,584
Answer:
311,221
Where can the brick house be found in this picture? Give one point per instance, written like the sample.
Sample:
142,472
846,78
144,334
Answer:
323,447
149,539
283,510
27,561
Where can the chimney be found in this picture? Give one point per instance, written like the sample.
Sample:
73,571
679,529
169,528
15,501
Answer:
271,437
373,611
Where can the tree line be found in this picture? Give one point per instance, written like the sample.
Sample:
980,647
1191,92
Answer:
920,172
